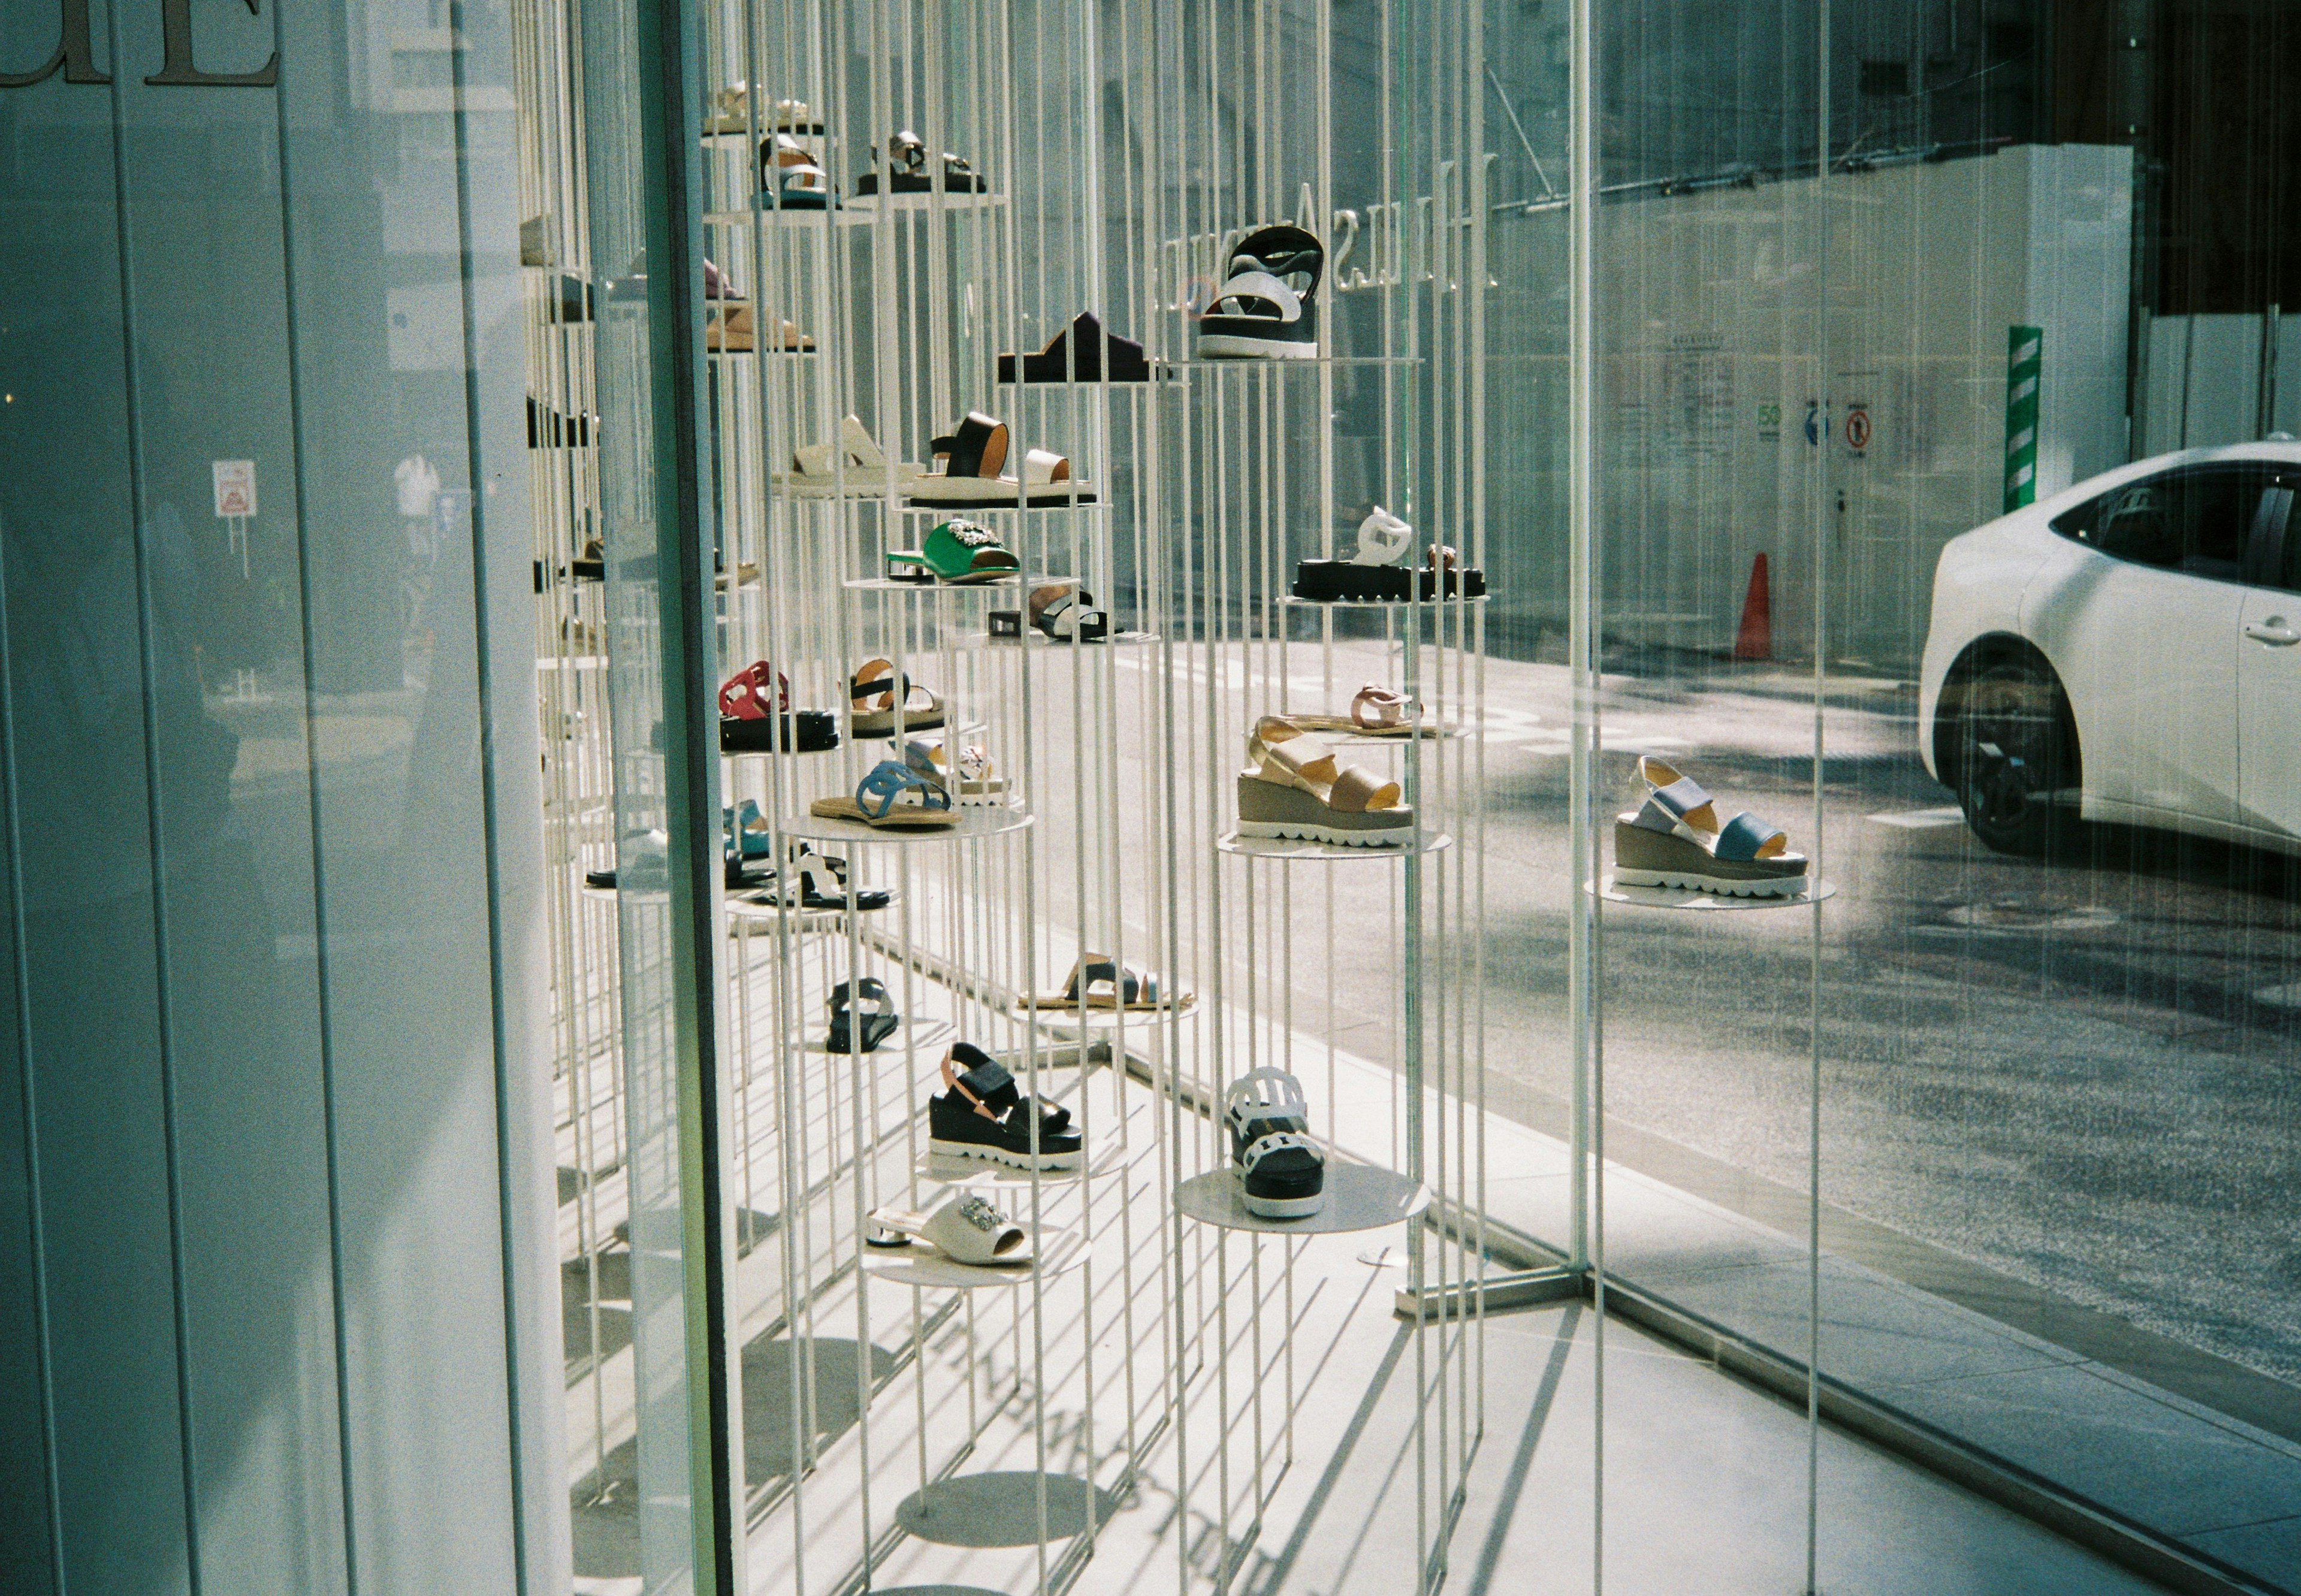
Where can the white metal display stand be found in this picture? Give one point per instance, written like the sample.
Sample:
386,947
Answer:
898,1406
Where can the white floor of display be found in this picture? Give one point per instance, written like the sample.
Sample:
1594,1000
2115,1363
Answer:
1690,1501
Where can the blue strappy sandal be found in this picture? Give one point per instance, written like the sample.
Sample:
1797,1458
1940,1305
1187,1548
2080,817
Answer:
893,797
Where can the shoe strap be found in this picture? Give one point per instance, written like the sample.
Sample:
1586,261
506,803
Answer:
1305,757
865,687
1044,467
1355,792
890,786
1383,538
985,1085
1746,838
968,444
1248,291
1377,708
1278,1142
741,698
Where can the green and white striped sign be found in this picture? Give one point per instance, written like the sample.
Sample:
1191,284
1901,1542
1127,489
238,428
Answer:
2022,346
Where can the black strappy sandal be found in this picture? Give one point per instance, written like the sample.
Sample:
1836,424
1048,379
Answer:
1064,611
982,1114
871,1026
822,885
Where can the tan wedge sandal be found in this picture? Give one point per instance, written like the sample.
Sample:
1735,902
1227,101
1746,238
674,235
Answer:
1294,787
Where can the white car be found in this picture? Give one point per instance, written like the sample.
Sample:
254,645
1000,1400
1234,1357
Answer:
2125,651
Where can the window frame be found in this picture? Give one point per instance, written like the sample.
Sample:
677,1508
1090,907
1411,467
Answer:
2080,522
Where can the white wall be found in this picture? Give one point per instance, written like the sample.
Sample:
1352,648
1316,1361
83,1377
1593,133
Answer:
1712,340
2203,381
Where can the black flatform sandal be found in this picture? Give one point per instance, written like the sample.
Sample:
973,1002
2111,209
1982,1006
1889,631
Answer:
1075,355
981,1113
1282,1172
873,1025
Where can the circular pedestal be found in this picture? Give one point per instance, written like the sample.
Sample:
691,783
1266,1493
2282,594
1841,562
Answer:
922,1032
1297,363
1358,1197
1686,898
1034,639
1104,1154
1067,1019
1060,1249
759,903
975,820
1296,848
1002,1510
1379,604
997,587
975,508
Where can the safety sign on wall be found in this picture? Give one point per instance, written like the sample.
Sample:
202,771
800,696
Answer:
235,488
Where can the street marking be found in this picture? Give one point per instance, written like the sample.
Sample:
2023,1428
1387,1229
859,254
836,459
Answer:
1919,820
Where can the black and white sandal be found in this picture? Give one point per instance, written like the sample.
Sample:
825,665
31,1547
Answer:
989,1080
869,1026
819,882
1282,1171
908,170
981,1113
1065,611
1267,308
1372,572
789,178
969,471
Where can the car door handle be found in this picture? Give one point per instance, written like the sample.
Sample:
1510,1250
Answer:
2272,631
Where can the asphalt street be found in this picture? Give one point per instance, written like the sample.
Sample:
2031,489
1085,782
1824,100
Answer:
2078,1071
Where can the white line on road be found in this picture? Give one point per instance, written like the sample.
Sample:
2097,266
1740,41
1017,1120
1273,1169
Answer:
1919,820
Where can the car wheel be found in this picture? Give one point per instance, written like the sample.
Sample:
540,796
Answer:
2016,755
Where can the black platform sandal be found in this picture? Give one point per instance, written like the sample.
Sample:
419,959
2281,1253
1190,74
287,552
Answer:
1267,308
1282,1171
908,173
981,1113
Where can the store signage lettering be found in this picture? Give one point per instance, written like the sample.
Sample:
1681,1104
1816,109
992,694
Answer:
76,54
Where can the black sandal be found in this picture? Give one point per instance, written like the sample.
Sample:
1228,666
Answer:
906,163
981,1113
1064,611
1075,355
871,1026
823,885
1282,1172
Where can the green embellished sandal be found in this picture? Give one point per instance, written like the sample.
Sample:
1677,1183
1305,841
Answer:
959,552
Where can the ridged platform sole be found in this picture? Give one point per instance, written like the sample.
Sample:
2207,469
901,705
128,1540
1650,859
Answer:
1236,346
1000,1155
1779,886
1282,1208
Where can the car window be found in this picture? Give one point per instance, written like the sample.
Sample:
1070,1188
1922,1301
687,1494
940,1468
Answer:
2194,522
2280,534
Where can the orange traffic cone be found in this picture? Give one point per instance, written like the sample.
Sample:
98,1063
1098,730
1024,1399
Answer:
1755,640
